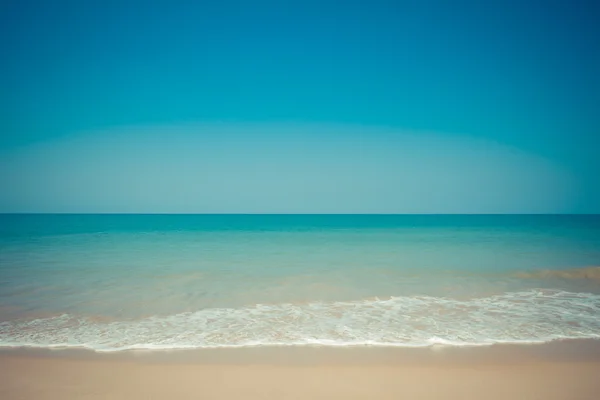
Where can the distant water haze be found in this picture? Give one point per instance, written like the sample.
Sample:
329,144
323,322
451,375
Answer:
281,168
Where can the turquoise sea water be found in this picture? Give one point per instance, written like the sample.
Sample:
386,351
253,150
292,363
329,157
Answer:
116,282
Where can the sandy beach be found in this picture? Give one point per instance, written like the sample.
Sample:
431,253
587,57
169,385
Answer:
556,371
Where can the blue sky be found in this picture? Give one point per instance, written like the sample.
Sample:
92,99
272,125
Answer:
300,106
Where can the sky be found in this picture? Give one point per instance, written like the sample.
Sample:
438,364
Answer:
300,106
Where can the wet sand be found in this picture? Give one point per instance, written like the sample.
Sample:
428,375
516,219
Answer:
561,370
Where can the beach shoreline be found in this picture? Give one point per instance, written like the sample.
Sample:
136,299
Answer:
556,370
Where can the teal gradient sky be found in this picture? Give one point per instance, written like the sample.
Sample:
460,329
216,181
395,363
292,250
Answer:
300,106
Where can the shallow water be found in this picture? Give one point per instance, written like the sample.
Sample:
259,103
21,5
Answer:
113,282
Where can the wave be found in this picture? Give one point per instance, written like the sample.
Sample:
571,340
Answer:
531,316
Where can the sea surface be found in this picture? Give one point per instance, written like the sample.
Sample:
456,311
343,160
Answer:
118,282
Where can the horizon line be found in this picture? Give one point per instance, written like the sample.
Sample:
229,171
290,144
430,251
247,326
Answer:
289,214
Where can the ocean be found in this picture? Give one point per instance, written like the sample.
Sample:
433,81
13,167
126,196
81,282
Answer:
120,282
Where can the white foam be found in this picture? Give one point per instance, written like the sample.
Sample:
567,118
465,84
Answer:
532,316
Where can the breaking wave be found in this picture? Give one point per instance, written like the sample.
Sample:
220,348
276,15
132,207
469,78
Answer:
531,316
